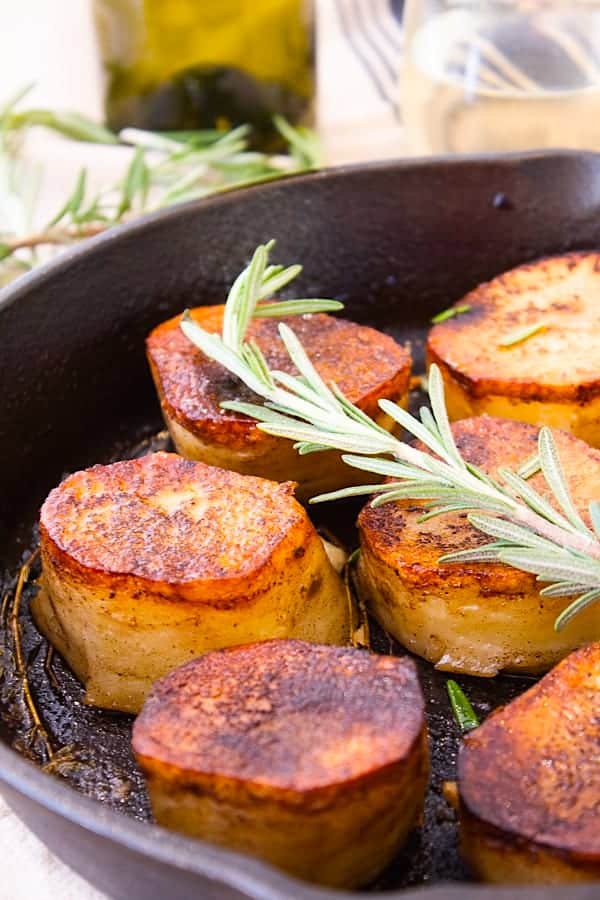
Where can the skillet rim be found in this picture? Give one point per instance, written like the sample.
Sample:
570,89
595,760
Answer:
11,292
251,877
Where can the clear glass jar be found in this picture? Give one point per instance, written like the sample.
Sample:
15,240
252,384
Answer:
501,75
205,63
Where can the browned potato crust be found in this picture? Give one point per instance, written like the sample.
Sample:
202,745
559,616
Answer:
149,562
366,364
551,378
314,758
477,618
529,781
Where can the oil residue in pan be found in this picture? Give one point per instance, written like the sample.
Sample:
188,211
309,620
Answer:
43,716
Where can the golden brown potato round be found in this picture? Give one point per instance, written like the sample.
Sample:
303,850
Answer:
553,377
477,618
365,364
150,562
313,758
529,781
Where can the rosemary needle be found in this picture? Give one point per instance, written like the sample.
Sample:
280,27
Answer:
465,715
521,334
353,557
451,313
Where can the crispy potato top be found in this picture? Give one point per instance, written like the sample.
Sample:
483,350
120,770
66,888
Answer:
560,363
533,767
167,519
394,534
286,714
365,364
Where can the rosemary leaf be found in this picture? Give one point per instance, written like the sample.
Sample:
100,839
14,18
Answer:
249,294
438,406
305,367
416,428
388,467
179,167
436,511
260,364
353,491
277,278
15,99
429,422
534,500
296,308
334,440
555,479
70,124
137,180
304,448
521,334
316,411
409,490
301,141
465,715
484,553
356,414
482,476
472,500
297,385
253,410
508,531
450,313
563,589
576,607
530,467
74,201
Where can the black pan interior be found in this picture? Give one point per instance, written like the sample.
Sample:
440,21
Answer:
396,243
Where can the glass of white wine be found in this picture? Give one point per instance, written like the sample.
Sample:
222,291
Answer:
501,75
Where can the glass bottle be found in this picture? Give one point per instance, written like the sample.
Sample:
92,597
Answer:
187,64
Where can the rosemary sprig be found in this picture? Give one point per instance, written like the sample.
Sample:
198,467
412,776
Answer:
529,532
165,169
465,715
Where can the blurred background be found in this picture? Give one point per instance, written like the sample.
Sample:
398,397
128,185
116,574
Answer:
202,96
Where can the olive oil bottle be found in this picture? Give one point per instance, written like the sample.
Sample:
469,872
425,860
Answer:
182,64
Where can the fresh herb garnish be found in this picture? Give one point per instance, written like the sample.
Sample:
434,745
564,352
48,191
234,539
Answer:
521,334
164,170
529,532
465,715
450,313
257,282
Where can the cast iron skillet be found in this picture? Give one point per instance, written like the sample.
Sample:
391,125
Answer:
397,242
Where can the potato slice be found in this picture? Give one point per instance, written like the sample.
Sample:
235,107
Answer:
364,363
477,618
313,758
553,377
150,562
529,781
